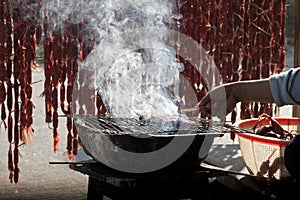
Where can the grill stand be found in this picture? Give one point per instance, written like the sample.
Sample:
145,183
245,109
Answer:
195,184
104,181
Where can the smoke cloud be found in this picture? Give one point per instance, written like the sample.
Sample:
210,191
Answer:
134,69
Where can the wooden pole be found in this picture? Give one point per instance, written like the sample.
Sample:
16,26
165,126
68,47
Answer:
296,109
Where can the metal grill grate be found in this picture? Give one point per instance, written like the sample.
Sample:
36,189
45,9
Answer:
161,126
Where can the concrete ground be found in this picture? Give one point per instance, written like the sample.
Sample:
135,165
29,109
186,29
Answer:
38,179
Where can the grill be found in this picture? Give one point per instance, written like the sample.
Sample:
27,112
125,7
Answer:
110,125
169,143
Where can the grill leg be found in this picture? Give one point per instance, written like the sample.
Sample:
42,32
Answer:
200,190
94,190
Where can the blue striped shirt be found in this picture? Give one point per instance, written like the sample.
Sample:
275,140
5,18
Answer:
285,87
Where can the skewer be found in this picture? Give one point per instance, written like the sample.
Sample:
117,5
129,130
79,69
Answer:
196,108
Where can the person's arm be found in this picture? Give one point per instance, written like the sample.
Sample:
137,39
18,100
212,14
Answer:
282,89
229,94
254,90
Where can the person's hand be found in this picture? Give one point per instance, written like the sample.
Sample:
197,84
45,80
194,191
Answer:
221,100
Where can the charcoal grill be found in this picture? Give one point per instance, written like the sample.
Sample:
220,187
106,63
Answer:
147,145
186,177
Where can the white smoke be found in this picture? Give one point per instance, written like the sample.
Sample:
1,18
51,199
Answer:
136,71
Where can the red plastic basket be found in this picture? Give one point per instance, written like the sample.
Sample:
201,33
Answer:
264,156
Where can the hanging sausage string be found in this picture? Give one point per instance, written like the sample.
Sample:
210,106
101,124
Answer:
17,58
244,39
